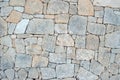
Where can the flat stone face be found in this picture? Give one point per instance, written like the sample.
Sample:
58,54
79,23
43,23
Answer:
85,75
61,28
33,73
109,3
80,42
23,60
17,2
77,25
5,11
40,26
83,54
65,40
85,7
33,6
22,74
62,18
98,29
113,40
6,40
57,7
65,70
10,74
111,17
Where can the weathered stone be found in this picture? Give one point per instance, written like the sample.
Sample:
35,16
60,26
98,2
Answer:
96,67
105,75
23,60
117,59
57,58
61,28
86,75
10,74
77,25
17,2
115,50
5,11
109,3
73,8
41,26
14,17
98,29
3,27
71,52
11,28
20,9
22,74
115,77
113,68
60,49
20,46
33,73
84,54
85,7
49,43
21,26
30,41
57,7
111,18
33,6
39,61
62,18
99,13
7,41
48,73
92,42
65,70
85,65
65,40
80,42
112,40
92,19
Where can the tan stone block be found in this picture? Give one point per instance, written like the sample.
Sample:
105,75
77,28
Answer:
62,18
17,2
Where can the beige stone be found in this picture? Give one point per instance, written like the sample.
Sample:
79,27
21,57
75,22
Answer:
33,7
85,7
14,17
17,2
62,18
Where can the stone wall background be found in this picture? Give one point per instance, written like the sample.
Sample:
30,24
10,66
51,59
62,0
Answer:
59,39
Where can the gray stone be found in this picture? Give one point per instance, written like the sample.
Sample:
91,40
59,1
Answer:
80,42
116,77
61,28
99,13
62,18
33,73
3,27
7,41
48,73
112,40
105,75
57,58
85,64
77,25
40,26
115,50
20,9
57,7
86,75
98,29
84,54
96,67
21,26
23,60
65,40
65,70
10,74
73,8
113,68
11,28
5,11
60,49
30,41
111,18
22,74
117,59
49,43
69,79
71,53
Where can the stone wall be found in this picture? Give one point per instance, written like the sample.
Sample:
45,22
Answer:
59,39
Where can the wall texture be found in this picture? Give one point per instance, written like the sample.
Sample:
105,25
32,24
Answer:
59,39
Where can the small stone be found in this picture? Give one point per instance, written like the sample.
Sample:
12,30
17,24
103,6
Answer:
39,61
65,70
85,65
92,42
48,73
11,28
33,7
22,74
21,26
65,40
20,9
10,74
23,60
57,58
86,75
31,41
71,52
113,68
33,73
99,13
60,49
80,42
96,67
7,41
117,59
105,75
5,11
57,7
62,18
73,8
69,79
17,2
27,16
98,29
85,7
84,54
61,28
92,19
115,50
14,17
79,23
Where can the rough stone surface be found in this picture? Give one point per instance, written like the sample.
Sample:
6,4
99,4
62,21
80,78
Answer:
17,2
33,73
10,74
61,28
22,74
5,11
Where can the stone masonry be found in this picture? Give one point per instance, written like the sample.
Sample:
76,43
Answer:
59,39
